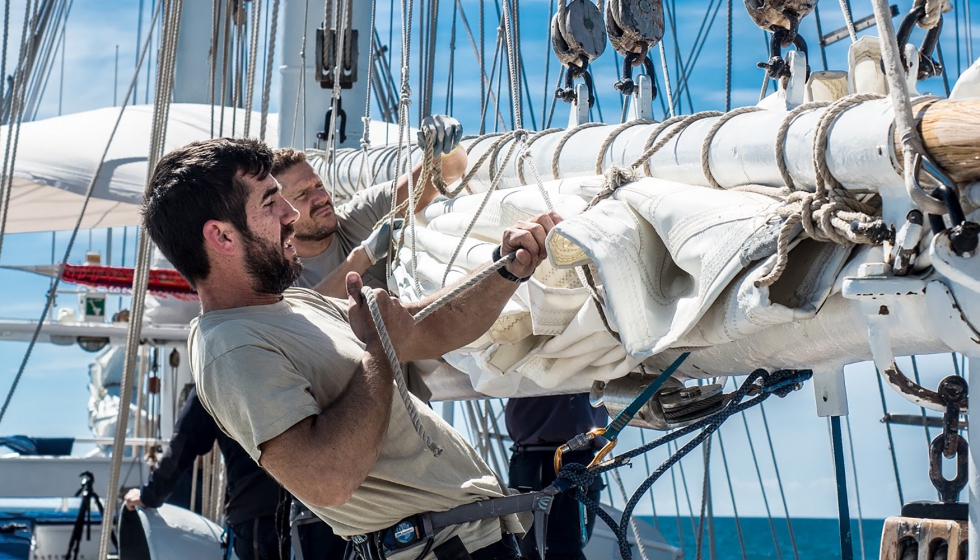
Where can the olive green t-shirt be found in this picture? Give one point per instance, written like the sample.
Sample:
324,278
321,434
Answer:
262,369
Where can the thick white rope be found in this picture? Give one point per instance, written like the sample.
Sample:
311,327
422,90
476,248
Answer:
848,20
611,137
253,57
905,128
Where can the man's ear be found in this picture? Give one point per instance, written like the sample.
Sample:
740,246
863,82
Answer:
221,237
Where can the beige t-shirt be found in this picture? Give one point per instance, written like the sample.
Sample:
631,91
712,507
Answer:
355,222
262,369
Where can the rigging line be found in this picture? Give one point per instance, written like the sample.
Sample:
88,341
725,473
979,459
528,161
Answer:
670,94
779,481
513,69
554,99
956,27
547,67
823,47
485,81
646,463
728,61
41,69
527,87
845,8
857,489
679,67
670,7
301,86
71,240
139,38
705,497
16,94
840,475
731,492
956,366
482,60
61,22
969,31
677,504
226,47
451,79
253,55
762,486
212,56
270,55
692,60
633,526
687,492
939,54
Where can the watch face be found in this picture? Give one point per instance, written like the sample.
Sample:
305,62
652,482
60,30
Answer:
404,532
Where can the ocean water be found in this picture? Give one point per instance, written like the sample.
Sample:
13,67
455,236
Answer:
816,539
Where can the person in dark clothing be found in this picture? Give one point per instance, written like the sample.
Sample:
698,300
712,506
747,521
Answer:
539,426
252,497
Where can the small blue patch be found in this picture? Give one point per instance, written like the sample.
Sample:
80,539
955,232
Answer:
404,532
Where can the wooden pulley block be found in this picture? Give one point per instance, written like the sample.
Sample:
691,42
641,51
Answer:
634,26
908,538
773,13
579,37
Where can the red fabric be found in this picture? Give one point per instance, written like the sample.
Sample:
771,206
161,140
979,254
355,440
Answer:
162,282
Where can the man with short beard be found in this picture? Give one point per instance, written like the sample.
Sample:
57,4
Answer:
332,241
302,381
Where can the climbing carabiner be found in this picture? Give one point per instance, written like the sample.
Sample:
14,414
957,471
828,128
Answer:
578,442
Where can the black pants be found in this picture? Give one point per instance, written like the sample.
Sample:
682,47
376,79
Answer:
258,539
568,529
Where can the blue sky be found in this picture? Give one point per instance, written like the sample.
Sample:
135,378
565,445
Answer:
51,399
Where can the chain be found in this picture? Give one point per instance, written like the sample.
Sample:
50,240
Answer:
950,444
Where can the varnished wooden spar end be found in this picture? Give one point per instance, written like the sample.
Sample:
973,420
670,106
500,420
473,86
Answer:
951,134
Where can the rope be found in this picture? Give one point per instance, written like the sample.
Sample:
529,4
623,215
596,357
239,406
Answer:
663,66
705,496
759,383
253,50
857,488
476,217
90,189
165,81
829,214
731,492
845,9
396,369
556,156
526,152
612,136
682,123
706,145
891,440
762,486
783,132
905,127
267,86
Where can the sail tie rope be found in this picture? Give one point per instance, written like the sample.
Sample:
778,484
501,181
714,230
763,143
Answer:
604,148
525,155
706,145
829,214
682,121
759,385
392,356
556,156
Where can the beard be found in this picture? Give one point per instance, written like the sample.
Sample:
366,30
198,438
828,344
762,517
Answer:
269,268
317,231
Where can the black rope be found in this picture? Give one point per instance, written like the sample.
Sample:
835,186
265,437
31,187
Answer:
760,384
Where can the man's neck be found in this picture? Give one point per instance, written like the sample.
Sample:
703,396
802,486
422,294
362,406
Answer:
310,249
214,298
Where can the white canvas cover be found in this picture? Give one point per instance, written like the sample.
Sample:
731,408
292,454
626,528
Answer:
675,265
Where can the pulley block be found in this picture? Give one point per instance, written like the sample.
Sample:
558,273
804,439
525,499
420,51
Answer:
634,26
772,15
326,58
578,35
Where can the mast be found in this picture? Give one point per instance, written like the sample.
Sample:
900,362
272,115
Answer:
298,126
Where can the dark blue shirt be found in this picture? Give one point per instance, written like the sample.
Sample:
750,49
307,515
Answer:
551,420
251,493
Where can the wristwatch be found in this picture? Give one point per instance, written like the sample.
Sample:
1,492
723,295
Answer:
503,270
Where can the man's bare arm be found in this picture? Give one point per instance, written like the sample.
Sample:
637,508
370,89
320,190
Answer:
325,458
472,313
453,167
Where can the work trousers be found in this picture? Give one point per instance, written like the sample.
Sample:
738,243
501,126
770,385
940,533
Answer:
569,524
258,539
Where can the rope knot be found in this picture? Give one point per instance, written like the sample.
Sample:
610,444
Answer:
616,177
578,475
366,137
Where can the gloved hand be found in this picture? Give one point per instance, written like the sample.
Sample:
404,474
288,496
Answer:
376,244
447,133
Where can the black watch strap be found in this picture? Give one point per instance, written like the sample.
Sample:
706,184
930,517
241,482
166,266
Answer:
503,270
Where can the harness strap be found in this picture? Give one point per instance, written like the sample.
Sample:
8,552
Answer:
494,507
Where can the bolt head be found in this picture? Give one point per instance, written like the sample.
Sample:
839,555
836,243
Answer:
873,270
